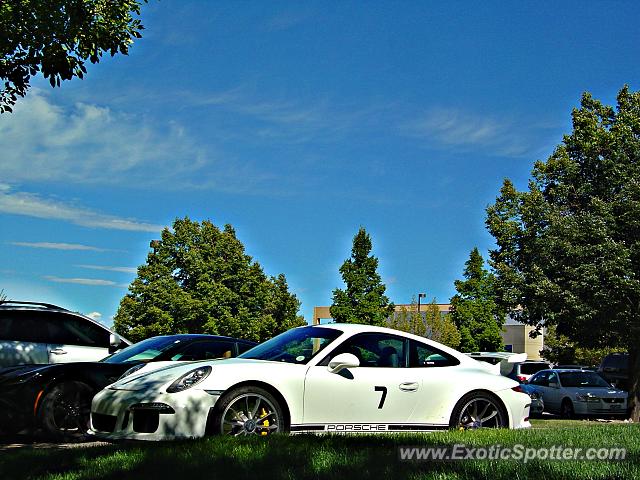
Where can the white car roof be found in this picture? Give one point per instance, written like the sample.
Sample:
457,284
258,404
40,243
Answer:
353,328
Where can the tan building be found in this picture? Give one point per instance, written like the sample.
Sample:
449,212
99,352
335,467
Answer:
515,335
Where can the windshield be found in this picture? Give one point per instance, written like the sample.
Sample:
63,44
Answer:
144,351
294,346
582,379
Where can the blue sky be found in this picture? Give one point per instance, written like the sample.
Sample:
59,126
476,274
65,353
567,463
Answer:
298,122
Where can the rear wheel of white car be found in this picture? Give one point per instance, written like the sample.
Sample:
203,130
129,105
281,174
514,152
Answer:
64,411
479,410
248,410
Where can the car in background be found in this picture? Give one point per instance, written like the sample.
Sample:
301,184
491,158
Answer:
42,333
522,371
571,392
614,368
56,399
574,367
331,378
537,402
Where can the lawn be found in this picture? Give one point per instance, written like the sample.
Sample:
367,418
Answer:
320,457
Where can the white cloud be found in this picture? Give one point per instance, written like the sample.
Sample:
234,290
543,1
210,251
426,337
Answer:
452,128
32,205
286,20
92,144
256,119
95,316
83,281
109,269
89,144
58,246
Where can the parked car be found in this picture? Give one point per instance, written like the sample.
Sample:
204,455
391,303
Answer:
57,398
574,367
571,392
41,333
522,371
343,378
537,402
614,368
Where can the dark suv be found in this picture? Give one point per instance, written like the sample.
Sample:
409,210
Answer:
615,369
37,333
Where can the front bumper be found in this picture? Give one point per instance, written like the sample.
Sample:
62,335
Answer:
600,408
136,415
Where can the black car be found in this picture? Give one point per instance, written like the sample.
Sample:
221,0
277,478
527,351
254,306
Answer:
615,369
56,399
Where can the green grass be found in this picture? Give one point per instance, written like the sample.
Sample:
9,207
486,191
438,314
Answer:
327,457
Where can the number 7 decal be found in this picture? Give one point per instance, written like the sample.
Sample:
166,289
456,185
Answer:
384,395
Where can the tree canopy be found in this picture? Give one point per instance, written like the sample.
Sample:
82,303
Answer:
568,247
429,323
364,299
57,37
198,279
439,327
474,309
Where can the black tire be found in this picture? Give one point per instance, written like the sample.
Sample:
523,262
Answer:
268,417
64,411
566,409
461,420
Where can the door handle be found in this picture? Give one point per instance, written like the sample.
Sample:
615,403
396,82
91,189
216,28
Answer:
58,351
409,386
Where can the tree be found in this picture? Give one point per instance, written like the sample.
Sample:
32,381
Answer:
416,320
474,310
558,349
439,327
57,37
364,300
408,320
399,320
568,247
198,279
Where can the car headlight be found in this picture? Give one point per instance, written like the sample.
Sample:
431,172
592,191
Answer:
586,397
131,370
189,379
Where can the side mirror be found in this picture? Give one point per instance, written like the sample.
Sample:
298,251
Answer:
342,361
114,342
554,385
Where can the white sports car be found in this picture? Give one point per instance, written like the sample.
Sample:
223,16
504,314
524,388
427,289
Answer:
329,378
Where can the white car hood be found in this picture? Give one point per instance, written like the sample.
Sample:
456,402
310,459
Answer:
167,372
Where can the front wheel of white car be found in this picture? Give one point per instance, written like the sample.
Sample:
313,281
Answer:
248,410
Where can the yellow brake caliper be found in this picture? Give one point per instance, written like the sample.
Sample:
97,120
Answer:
265,423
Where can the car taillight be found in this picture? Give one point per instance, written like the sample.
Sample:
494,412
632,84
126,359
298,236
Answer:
521,378
518,389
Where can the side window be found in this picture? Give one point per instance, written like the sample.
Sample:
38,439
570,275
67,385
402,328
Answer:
23,326
423,355
205,350
374,350
71,330
541,379
243,347
553,377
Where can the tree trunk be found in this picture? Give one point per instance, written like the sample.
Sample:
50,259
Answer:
634,380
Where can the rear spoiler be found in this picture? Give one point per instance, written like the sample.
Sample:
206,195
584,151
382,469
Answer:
499,363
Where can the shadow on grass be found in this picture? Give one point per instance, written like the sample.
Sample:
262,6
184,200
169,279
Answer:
323,457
